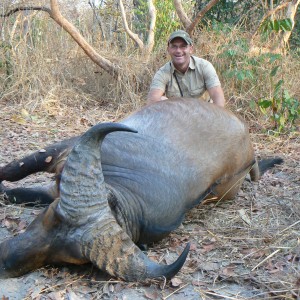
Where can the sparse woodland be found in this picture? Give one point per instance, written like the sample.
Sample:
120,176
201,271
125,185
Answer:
55,53
67,65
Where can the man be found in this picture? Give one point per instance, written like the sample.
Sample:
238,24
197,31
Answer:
185,75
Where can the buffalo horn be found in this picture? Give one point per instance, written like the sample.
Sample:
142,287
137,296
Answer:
84,204
82,189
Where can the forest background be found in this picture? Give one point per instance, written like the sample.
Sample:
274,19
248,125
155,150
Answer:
254,46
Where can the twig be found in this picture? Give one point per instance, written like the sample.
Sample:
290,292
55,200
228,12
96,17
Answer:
289,227
275,291
46,289
219,295
25,8
272,254
175,291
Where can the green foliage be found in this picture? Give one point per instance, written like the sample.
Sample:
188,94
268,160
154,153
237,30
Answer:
247,14
230,12
282,108
166,20
37,29
237,65
276,25
141,17
245,72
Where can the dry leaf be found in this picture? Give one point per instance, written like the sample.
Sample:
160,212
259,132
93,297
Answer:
152,294
193,247
10,224
244,216
25,113
56,296
199,283
22,225
111,288
253,252
176,282
36,212
207,247
18,119
210,266
229,270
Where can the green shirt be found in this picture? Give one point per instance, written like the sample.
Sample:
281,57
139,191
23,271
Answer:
200,76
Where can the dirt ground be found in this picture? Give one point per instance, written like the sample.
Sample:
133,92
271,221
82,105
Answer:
247,248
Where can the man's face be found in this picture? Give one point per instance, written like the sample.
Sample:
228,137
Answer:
180,52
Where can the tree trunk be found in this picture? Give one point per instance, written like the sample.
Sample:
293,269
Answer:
102,62
145,49
187,23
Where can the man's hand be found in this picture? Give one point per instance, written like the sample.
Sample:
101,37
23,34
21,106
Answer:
217,95
155,95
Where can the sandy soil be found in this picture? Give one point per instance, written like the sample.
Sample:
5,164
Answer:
247,248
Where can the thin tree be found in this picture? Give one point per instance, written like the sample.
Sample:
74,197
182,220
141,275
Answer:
189,24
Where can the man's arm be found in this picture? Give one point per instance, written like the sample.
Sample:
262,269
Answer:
217,95
155,95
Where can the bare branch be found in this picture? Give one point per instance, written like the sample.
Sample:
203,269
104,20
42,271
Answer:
105,64
22,8
181,14
187,23
152,14
97,17
200,15
132,35
55,14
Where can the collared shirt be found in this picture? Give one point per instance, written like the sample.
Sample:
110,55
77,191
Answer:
200,76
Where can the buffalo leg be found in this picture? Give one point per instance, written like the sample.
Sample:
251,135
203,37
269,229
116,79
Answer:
51,159
228,190
31,196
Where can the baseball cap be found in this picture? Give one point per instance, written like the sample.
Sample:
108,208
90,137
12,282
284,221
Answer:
181,34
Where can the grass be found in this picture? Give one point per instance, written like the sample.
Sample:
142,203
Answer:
45,70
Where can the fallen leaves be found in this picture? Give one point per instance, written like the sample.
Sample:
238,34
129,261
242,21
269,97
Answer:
175,282
253,253
208,247
244,216
152,294
14,224
229,270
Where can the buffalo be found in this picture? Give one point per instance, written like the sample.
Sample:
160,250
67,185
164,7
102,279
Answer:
122,185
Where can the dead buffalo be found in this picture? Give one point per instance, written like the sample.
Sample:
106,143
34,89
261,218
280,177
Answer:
130,188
